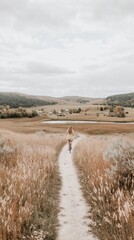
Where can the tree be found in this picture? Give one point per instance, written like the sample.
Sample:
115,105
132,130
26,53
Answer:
70,111
120,111
79,110
54,111
101,109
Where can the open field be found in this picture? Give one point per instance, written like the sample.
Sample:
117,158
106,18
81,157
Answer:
28,125
88,112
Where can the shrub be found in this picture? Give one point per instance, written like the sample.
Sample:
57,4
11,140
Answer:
101,108
18,113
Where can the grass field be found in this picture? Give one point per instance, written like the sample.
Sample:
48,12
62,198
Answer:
28,125
105,165
29,185
29,151
89,112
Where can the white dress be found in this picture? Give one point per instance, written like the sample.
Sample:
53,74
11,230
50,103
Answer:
70,136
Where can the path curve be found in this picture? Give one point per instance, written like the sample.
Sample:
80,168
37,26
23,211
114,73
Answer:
73,221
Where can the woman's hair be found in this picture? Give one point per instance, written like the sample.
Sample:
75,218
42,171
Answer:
70,130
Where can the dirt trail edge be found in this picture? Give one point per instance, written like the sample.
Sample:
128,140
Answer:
73,221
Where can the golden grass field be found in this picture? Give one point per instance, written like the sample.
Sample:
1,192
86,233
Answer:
28,125
106,170
29,185
31,125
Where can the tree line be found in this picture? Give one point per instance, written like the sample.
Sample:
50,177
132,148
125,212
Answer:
124,100
15,101
7,112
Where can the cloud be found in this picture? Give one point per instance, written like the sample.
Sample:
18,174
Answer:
46,69
85,46
34,14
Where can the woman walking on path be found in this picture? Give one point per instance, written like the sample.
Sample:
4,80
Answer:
70,136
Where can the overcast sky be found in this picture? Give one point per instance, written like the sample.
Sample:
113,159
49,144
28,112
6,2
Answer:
67,47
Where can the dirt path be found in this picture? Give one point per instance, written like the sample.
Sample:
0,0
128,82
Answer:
73,221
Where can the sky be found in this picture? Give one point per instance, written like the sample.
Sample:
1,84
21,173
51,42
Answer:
67,47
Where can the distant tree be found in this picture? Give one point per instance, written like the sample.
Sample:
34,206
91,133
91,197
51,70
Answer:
124,100
79,110
120,111
15,101
70,111
111,109
54,111
101,109
34,113
17,113
7,107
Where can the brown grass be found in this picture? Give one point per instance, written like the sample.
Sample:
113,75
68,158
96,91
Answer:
27,125
91,113
29,185
107,190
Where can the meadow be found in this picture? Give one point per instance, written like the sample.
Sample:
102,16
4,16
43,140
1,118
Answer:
29,185
30,180
106,171
89,111
32,125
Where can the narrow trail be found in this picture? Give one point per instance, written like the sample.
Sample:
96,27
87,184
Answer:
73,221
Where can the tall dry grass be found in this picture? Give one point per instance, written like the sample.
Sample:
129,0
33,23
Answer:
29,184
106,167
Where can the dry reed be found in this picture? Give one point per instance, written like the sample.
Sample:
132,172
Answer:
106,167
29,185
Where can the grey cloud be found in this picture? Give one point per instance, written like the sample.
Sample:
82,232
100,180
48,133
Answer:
92,66
61,13
87,85
49,13
47,41
129,58
46,69
104,9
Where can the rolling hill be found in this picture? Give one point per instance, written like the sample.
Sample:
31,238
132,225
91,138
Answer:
79,99
24,100
16,100
125,100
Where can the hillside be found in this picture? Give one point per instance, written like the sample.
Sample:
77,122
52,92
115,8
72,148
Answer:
125,100
15,100
24,100
79,99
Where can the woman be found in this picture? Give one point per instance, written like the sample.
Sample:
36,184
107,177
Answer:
70,136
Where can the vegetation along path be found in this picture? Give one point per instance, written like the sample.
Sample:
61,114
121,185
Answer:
73,215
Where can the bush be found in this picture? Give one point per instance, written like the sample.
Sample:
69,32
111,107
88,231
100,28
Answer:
34,113
101,109
18,113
